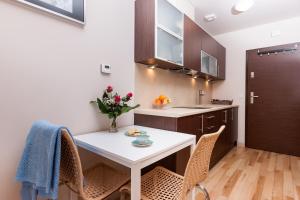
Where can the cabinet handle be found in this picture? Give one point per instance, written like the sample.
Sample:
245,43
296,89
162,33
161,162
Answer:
210,127
202,119
225,120
232,114
210,117
202,127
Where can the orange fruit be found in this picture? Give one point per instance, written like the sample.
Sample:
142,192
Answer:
162,97
157,102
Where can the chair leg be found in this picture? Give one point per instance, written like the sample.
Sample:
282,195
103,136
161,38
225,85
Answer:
203,189
124,195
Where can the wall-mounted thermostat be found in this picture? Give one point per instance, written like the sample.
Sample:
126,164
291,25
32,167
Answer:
275,33
106,69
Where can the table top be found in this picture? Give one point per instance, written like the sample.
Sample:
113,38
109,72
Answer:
118,146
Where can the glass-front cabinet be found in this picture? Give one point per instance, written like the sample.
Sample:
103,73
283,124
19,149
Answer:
209,64
169,33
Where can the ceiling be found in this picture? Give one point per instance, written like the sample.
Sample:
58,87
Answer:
263,11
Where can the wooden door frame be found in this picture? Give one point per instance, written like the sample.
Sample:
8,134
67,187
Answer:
246,96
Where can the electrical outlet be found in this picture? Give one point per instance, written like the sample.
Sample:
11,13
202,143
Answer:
201,92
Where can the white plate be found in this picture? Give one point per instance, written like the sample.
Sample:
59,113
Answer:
146,143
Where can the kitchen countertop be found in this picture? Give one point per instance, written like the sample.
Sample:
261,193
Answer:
182,112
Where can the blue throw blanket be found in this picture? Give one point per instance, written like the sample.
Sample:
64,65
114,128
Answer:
39,167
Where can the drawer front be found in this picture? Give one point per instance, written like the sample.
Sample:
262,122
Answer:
191,125
211,122
165,123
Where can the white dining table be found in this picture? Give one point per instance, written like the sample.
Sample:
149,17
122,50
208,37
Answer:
118,148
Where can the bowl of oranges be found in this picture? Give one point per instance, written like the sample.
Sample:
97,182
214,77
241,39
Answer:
161,102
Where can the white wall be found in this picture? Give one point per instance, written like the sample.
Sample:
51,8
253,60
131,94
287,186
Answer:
49,69
236,44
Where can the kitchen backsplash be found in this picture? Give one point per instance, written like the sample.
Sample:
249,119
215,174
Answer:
180,88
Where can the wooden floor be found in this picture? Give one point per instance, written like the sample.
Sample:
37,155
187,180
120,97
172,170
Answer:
252,174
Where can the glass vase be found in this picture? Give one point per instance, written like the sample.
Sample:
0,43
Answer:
113,126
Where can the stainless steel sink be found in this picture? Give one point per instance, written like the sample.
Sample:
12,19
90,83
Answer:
193,107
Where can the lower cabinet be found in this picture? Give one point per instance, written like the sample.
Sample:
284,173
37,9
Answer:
197,125
223,144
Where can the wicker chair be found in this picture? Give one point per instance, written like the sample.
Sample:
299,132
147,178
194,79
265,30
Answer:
95,183
162,184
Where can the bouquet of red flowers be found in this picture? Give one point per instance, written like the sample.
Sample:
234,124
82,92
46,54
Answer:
114,105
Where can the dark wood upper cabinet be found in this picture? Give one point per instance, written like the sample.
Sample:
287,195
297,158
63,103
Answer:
158,34
221,62
197,40
166,37
192,44
144,46
216,50
209,44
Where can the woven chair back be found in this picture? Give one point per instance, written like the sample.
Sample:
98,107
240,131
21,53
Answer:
70,165
198,165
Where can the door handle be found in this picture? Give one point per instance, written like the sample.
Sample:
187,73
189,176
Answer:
252,96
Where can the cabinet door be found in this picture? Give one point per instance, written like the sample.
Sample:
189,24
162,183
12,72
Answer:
222,141
169,33
169,18
221,62
227,134
144,37
209,44
192,44
209,64
234,125
209,55
168,47
191,125
212,122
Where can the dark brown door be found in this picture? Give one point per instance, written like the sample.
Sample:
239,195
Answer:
273,113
